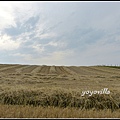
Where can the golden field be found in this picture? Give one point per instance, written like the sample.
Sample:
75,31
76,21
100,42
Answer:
33,91
10,111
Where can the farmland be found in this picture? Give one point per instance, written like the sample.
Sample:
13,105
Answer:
35,86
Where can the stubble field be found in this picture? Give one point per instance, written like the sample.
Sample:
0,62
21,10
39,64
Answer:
55,91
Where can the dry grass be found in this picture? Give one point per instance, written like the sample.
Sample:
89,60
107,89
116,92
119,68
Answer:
55,91
58,97
10,111
52,70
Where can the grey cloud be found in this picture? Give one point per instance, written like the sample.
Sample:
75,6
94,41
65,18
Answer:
28,26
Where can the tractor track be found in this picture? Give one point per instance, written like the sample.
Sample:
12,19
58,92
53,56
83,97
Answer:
11,69
29,69
45,69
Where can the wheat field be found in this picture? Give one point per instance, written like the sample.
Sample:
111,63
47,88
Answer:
34,91
10,111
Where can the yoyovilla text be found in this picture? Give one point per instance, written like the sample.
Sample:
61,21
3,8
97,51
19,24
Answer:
90,93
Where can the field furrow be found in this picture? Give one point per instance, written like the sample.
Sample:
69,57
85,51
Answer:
29,69
58,70
52,70
61,70
10,69
93,71
4,65
69,71
79,70
45,70
107,69
19,70
37,69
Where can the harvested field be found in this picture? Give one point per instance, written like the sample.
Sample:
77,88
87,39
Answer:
10,111
59,86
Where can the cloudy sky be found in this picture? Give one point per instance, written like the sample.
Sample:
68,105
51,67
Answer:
60,33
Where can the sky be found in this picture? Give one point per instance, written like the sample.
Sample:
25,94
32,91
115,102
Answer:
60,33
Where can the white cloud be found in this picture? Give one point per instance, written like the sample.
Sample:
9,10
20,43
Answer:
60,55
55,58
103,47
6,43
101,52
13,12
45,35
23,57
25,10
24,37
6,15
58,44
39,48
53,43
